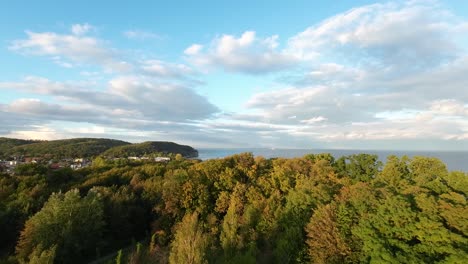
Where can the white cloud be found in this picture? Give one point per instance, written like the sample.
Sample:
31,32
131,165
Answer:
129,101
247,54
193,50
313,120
376,78
74,48
77,49
38,132
387,74
450,107
162,101
413,32
81,29
164,69
14,122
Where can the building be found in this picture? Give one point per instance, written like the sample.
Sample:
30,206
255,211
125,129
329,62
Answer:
162,159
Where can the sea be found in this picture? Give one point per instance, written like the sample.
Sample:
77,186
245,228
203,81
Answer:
455,160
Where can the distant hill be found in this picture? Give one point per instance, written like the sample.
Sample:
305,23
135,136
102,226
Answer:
88,147
64,148
149,147
9,143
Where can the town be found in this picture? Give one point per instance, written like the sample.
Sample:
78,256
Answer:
9,165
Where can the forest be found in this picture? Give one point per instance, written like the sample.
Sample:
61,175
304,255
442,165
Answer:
149,147
239,209
88,147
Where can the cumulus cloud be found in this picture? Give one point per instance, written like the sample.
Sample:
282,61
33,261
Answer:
38,132
87,113
132,102
162,100
386,74
450,107
79,49
193,50
362,93
375,35
307,102
330,74
81,29
75,48
246,53
414,33
12,122
158,68
375,78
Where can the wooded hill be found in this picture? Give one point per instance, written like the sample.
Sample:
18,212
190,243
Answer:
9,143
87,147
149,147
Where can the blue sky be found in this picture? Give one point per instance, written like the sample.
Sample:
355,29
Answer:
295,74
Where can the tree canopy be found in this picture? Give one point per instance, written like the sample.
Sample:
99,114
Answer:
67,225
239,209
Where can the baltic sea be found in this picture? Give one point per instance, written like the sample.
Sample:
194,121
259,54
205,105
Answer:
455,160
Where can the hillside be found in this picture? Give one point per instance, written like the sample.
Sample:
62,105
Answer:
64,148
151,147
9,143
89,147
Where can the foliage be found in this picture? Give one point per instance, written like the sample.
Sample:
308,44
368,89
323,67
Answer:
30,169
6,144
408,216
40,256
65,148
239,209
68,225
150,147
190,242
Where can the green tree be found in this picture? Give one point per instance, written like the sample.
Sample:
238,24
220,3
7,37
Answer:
178,157
395,173
399,233
230,238
326,244
190,242
67,221
458,181
99,162
30,169
124,215
429,173
39,256
362,167
118,258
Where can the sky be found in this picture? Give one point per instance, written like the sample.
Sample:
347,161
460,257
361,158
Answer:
389,75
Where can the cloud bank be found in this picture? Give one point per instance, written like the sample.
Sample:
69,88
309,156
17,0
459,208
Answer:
375,76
